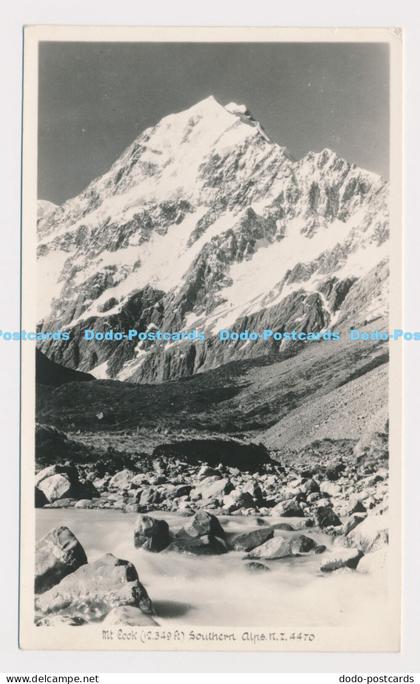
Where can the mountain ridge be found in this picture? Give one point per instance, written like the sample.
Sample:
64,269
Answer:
203,221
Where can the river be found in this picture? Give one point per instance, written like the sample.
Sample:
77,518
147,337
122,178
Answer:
218,590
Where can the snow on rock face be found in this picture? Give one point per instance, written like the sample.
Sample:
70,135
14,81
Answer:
45,209
203,220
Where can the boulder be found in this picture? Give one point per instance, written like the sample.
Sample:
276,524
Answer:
288,509
247,541
238,499
137,481
326,517
320,548
211,488
282,547
62,503
203,523
184,507
253,488
151,534
132,508
149,496
206,471
70,471
95,588
301,544
182,490
58,620
128,615
254,566
121,480
277,547
287,493
101,483
205,545
331,488
57,487
61,482
83,503
344,558
334,470
324,501
371,535
203,536
310,486
57,554
44,473
270,481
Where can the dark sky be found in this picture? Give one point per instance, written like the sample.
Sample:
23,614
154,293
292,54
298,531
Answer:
95,98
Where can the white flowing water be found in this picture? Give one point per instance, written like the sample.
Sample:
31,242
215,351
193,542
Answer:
218,590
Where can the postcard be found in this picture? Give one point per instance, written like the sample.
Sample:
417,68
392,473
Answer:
211,339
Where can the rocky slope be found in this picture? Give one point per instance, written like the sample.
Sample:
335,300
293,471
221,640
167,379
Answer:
325,389
205,223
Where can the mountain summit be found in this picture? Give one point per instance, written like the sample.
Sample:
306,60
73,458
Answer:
205,222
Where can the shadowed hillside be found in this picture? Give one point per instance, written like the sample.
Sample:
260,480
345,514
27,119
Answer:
273,393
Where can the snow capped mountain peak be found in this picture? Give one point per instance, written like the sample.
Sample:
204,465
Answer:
208,109
203,220
208,117
211,115
207,105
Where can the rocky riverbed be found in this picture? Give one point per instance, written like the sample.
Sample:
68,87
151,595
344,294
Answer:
320,483
212,528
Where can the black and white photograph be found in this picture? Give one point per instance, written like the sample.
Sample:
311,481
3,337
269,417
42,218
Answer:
211,298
